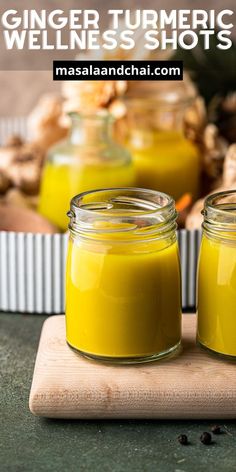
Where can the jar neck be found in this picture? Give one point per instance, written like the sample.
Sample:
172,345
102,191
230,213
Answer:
122,214
91,129
152,114
220,215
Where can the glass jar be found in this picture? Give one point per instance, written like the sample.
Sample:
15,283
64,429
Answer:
164,158
217,275
87,160
123,300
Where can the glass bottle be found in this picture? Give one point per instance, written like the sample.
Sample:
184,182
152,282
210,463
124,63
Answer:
164,158
122,267
88,159
217,275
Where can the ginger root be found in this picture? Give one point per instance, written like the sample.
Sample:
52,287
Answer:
25,176
229,168
20,166
214,151
18,218
16,197
194,219
5,183
195,120
46,122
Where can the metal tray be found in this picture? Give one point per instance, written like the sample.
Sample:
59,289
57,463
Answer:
32,266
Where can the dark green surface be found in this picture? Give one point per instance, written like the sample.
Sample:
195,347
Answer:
34,445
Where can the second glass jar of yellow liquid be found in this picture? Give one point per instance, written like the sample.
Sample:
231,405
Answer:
88,159
217,275
123,300
164,158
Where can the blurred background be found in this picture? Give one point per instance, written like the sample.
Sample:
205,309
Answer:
181,135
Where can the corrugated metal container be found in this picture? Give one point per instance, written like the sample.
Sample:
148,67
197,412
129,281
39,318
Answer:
32,266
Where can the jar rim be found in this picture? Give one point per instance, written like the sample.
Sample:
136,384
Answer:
98,114
220,214
154,206
212,203
169,99
123,209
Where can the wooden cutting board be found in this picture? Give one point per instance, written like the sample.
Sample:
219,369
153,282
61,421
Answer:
191,385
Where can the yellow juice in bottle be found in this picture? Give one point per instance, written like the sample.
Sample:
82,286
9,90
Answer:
167,161
61,183
217,275
123,289
119,304
217,295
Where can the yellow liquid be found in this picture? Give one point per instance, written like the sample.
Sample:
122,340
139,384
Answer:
62,182
167,162
121,302
217,295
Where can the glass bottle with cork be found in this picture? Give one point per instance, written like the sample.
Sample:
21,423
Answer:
88,159
164,158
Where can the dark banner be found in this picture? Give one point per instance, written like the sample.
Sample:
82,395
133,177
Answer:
118,70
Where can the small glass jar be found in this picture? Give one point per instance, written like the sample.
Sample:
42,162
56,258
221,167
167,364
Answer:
123,300
88,159
217,275
164,158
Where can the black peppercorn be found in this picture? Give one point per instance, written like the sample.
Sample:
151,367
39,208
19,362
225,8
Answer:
183,439
216,429
205,438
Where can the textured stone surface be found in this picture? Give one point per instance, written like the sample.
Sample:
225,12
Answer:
29,444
